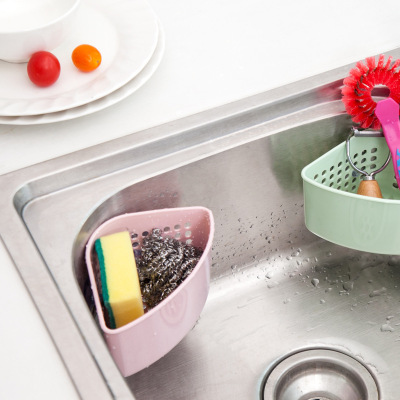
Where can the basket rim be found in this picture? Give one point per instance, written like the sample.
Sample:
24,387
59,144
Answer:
335,191
155,310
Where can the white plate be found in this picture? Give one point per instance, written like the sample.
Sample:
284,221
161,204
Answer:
99,104
126,34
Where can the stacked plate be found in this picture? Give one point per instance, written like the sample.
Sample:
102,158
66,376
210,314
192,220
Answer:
131,41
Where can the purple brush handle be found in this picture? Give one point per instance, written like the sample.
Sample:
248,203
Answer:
387,112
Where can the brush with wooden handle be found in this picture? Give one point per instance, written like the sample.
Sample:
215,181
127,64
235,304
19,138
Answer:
368,186
361,105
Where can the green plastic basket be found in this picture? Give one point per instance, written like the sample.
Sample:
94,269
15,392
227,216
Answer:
334,210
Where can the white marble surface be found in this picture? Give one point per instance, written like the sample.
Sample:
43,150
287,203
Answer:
216,52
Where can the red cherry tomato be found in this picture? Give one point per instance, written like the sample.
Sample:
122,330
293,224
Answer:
43,68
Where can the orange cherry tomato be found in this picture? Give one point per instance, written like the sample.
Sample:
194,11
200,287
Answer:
86,58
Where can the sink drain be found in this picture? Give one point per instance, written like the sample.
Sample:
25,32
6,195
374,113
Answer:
320,374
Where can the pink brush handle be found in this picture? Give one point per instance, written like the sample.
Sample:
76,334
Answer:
387,112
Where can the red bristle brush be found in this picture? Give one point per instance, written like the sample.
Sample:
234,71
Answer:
359,104
358,86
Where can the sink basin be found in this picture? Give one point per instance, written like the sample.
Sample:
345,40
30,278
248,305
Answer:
276,290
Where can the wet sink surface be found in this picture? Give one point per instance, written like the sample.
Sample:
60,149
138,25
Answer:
276,289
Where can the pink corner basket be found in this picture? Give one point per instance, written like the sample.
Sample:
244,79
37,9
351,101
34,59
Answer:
142,342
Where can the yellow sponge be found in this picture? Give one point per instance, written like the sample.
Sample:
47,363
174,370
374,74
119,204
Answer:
119,278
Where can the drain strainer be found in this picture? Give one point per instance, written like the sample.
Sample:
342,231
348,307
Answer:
320,374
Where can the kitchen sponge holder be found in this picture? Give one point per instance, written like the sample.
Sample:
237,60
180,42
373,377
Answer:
334,210
142,342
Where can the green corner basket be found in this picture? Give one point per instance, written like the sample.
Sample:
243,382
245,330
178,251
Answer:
335,212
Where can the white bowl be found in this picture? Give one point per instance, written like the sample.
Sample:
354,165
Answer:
27,26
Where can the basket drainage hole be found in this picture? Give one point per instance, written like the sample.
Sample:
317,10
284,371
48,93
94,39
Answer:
188,234
319,374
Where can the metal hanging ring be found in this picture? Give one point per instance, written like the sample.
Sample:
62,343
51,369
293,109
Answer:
371,174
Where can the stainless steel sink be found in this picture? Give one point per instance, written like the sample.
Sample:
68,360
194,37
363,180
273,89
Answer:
277,290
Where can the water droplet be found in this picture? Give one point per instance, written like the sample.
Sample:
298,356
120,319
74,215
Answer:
322,301
269,274
349,285
315,282
378,292
286,301
272,285
387,328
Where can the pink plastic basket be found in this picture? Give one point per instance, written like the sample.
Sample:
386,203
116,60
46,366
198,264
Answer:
142,342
